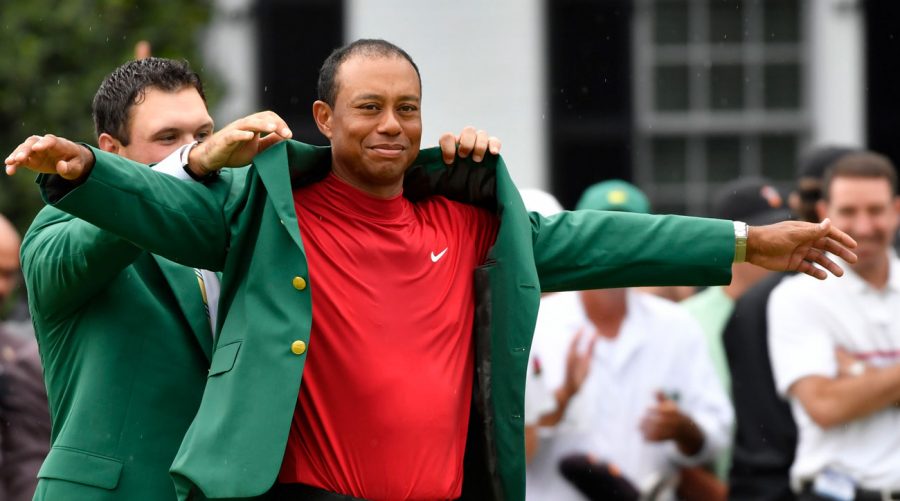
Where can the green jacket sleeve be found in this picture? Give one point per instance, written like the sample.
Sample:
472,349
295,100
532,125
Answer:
184,222
591,249
67,261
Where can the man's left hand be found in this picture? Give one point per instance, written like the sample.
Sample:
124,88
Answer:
468,142
799,246
238,142
665,421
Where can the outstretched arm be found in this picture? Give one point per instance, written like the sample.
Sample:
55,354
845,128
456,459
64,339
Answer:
144,207
597,249
590,249
233,146
67,261
129,200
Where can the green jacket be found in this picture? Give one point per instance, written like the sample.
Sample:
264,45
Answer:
248,229
125,344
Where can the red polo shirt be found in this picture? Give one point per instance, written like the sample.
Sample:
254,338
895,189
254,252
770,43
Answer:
384,405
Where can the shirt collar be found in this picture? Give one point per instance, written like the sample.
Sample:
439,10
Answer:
631,333
893,271
354,201
860,285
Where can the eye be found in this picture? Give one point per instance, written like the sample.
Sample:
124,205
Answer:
369,107
166,138
408,108
201,136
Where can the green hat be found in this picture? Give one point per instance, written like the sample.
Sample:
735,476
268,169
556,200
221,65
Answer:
614,195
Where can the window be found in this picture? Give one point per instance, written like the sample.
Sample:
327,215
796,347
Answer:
719,93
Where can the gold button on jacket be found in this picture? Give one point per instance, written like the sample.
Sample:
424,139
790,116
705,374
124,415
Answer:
299,283
298,347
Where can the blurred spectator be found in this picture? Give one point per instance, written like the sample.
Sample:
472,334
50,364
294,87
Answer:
646,402
812,169
24,414
757,203
142,50
835,346
765,434
676,293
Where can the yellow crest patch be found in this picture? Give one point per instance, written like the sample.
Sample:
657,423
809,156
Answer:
616,197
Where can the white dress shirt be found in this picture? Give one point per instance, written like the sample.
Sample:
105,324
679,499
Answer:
808,320
659,347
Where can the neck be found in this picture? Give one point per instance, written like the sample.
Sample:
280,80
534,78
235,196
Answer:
876,274
388,190
606,309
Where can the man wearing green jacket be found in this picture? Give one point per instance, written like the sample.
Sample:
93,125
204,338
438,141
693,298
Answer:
125,336
400,292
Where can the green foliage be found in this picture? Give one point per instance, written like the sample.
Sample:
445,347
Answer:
54,55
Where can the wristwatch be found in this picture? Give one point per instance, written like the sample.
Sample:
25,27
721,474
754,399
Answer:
857,368
741,230
185,155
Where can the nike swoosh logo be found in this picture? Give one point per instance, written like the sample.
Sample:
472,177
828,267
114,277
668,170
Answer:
436,258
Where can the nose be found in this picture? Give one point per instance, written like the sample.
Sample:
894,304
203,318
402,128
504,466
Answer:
389,124
864,226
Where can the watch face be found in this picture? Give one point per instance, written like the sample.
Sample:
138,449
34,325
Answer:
857,368
185,153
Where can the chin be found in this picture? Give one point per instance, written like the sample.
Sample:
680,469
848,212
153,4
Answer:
389,169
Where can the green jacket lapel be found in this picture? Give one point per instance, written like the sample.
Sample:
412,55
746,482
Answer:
186,288
306,164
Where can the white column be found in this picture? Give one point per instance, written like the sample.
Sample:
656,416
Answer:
837,72
230,51
482,64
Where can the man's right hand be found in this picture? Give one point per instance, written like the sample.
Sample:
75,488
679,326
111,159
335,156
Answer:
578,363
51,155
237,143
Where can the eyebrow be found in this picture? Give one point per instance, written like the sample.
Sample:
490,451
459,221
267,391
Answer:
169,130
408,97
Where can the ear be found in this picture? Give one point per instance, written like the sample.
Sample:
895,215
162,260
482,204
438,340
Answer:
897,205
108,143
821,209
322,114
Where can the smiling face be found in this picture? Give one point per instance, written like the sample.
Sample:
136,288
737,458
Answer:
865,208
375,126
160,123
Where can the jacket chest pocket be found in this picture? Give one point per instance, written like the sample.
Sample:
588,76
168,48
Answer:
224,358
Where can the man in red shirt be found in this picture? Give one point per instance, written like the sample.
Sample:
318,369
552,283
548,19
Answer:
394,288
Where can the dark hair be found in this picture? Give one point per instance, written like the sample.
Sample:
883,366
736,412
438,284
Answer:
368,47
127,85
864,164
816,161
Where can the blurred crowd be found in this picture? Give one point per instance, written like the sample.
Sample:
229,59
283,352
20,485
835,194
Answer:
770,388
